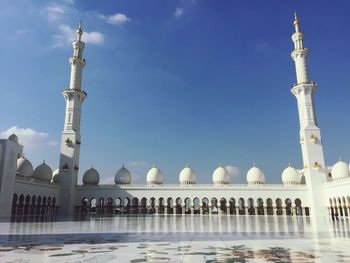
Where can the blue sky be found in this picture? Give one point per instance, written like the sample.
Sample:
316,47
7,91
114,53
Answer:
171,82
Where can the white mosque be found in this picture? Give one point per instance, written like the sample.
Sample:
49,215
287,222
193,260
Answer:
313,189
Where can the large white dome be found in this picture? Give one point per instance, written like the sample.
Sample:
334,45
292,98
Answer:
56,176
13,137
43,172
91,177
122,176
221,176
155,176
24,167
255,176
291,176
187,176
340,170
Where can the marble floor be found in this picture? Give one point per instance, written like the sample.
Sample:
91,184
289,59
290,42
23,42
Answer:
189,238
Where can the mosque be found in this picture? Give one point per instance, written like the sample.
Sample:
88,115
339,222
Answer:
313,189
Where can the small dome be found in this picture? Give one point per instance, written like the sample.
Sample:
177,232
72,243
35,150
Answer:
43,172
291,176
56,176
255,176
24,167
187,176
155,176
13,137
122,176
221,176
91,177
340,170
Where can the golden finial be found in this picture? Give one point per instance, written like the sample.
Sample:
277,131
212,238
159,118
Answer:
79,31
296,22
340,158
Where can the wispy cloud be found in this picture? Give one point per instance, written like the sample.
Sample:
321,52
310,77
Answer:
116,19
29,137
233,171
67,34
179,11
54,12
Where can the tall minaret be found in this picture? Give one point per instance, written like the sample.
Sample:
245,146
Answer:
70,142
310,134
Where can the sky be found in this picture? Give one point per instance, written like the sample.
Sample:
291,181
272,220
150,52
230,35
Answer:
175,82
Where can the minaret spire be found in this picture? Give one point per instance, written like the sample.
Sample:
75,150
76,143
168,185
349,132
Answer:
310,134
296,22
71,138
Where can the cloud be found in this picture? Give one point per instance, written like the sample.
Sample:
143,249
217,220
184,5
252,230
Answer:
21,32
108,180
178,12
233,171
29,137
54,12
67,34
116,19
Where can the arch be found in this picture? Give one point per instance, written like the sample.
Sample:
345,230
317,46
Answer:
340,207
170,205
144,205
93,205
38,205
161,206
32,205
345,207
135,205
26,205
269,206
126,205
152,202
109,205
251,208
205,205
232,203
260,203
223,205
196,206
188,205
20,205
214,205
14,206
241,206
298,207
178,205
288,203
279,208
48,206
84,206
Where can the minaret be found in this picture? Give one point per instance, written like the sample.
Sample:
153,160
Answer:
71,139
310,134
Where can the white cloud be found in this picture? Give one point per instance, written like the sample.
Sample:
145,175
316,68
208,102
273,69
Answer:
178,12
137,163
54,12
67,34
116,19
233,171
21,32
29,137
69,2
107,180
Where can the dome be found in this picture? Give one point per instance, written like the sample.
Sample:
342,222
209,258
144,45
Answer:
56,176
255,176
187,176
155,176
221,176
122,176
340,170
291,176
24,167
91,177
43,172
13,137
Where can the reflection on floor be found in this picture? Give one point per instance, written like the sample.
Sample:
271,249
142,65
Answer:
172,239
